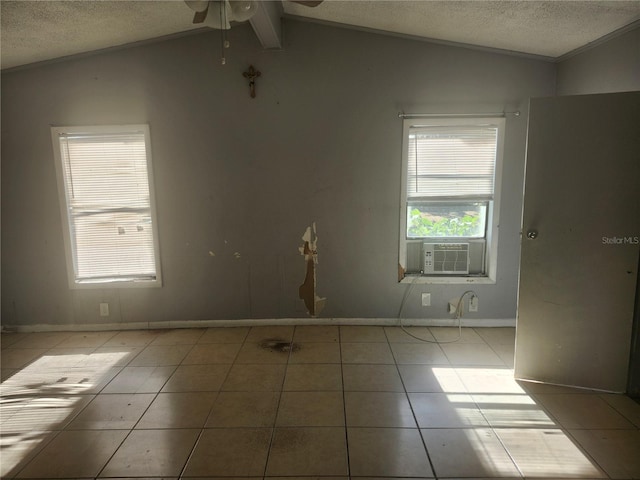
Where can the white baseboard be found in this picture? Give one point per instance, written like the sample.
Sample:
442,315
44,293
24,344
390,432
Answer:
261,322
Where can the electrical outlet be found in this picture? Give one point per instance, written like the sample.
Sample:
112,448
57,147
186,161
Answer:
473,303
104,309
426,299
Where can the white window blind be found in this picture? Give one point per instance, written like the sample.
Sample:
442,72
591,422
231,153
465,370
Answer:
451,162
108,205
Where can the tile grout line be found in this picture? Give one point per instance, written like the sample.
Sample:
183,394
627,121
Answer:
344,403
489,344
494,429
489,424
495,433
415,419
67,421
155,397
619,412
143,413
280,392
583,450
567,431
203,428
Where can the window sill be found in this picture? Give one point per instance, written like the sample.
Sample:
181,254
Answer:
445,280
113,284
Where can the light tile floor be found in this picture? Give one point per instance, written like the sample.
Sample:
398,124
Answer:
339,402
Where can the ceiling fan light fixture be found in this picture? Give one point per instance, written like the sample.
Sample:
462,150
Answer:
197,5
308,3
243,10
219,16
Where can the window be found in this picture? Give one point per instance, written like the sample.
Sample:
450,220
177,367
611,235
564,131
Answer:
451,177
107,204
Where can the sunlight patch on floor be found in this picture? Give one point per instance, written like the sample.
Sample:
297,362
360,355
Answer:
43,397
530,436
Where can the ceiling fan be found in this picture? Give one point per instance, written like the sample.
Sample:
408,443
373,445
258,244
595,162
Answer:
219,13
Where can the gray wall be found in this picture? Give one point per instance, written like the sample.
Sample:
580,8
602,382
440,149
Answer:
320,143
611,67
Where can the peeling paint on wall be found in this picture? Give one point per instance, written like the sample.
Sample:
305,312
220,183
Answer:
307,291
236,255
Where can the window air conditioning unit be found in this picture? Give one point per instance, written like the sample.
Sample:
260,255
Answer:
445,258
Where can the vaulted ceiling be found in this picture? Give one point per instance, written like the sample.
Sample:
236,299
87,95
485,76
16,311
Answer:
34,31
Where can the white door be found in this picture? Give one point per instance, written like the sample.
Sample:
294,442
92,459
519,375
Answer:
580,241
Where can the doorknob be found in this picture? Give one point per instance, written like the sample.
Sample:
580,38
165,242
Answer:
532,234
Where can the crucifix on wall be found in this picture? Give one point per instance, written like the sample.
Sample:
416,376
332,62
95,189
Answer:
251,75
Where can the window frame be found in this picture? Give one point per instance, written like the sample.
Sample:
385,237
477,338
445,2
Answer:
490,240
67,226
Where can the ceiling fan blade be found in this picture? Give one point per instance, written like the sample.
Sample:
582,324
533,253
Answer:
199,17
308,3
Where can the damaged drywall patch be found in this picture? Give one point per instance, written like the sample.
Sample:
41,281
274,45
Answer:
401,272
307,291
236,255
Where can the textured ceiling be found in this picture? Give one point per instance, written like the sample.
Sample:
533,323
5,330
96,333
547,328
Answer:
33,31
547,28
